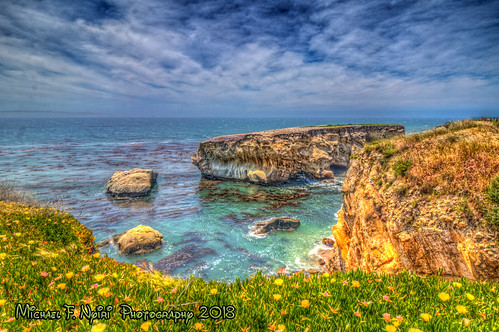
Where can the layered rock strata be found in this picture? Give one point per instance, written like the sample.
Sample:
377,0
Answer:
276,155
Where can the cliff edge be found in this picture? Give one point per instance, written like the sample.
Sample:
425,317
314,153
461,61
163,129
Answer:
276,155
423,203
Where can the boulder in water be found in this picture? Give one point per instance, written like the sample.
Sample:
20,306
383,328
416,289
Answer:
277,224
136,182
139,240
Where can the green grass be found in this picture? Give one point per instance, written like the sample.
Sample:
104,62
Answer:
44,249
401,167
492,209
350,124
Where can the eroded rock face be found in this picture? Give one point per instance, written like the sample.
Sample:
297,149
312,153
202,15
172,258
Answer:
139,240
381,229
274,156
277,224
133,183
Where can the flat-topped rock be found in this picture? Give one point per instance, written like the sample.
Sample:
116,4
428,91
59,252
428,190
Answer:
136,182
139,240
273,156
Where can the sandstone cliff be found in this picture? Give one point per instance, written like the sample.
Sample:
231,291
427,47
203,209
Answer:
420,203
276,155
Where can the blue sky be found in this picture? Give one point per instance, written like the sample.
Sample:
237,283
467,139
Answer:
249,58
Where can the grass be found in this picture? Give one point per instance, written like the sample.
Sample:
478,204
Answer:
491,209
459,158
47,260
350,124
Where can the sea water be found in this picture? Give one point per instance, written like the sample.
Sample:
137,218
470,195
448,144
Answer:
70,160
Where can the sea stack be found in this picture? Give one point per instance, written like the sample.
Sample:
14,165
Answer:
275,156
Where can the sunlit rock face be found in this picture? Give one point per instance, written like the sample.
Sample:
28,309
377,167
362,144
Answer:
390,223
270,157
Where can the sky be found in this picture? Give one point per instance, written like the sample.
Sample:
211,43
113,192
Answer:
249,58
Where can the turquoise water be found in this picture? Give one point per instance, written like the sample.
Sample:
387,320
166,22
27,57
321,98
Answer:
71,159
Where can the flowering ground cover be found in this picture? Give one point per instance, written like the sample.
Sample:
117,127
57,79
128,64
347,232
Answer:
47,261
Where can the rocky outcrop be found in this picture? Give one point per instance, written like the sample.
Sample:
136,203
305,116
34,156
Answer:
139,240
276,155
133,183
277,224
408,205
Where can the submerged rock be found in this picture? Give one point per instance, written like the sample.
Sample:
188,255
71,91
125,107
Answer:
184,256
277,224
139,240
275,156
136,182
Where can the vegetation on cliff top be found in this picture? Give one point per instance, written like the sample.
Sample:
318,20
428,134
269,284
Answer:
459,159
46,260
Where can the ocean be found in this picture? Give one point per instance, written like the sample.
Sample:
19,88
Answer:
70,160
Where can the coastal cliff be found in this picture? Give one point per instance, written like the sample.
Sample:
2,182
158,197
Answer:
274,156
423,203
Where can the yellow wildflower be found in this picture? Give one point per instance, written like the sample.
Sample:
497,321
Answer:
98,328
426,317
103,291
444,296
31,242
281,327
85,268
325,275
61,286
470,297
213,291
466,322
277,297
391,328
414,330
145,326
69,275
54,268
278,281
97,255
355,283
3,255
198,326
457,284
461,309
2,302
115,275
17,234
99,277
305,303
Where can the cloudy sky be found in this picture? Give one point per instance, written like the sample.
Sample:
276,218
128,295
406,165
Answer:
249,58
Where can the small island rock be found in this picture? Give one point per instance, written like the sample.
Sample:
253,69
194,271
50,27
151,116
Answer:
277,224
136,182
139,240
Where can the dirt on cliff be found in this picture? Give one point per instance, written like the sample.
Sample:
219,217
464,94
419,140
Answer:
423,202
